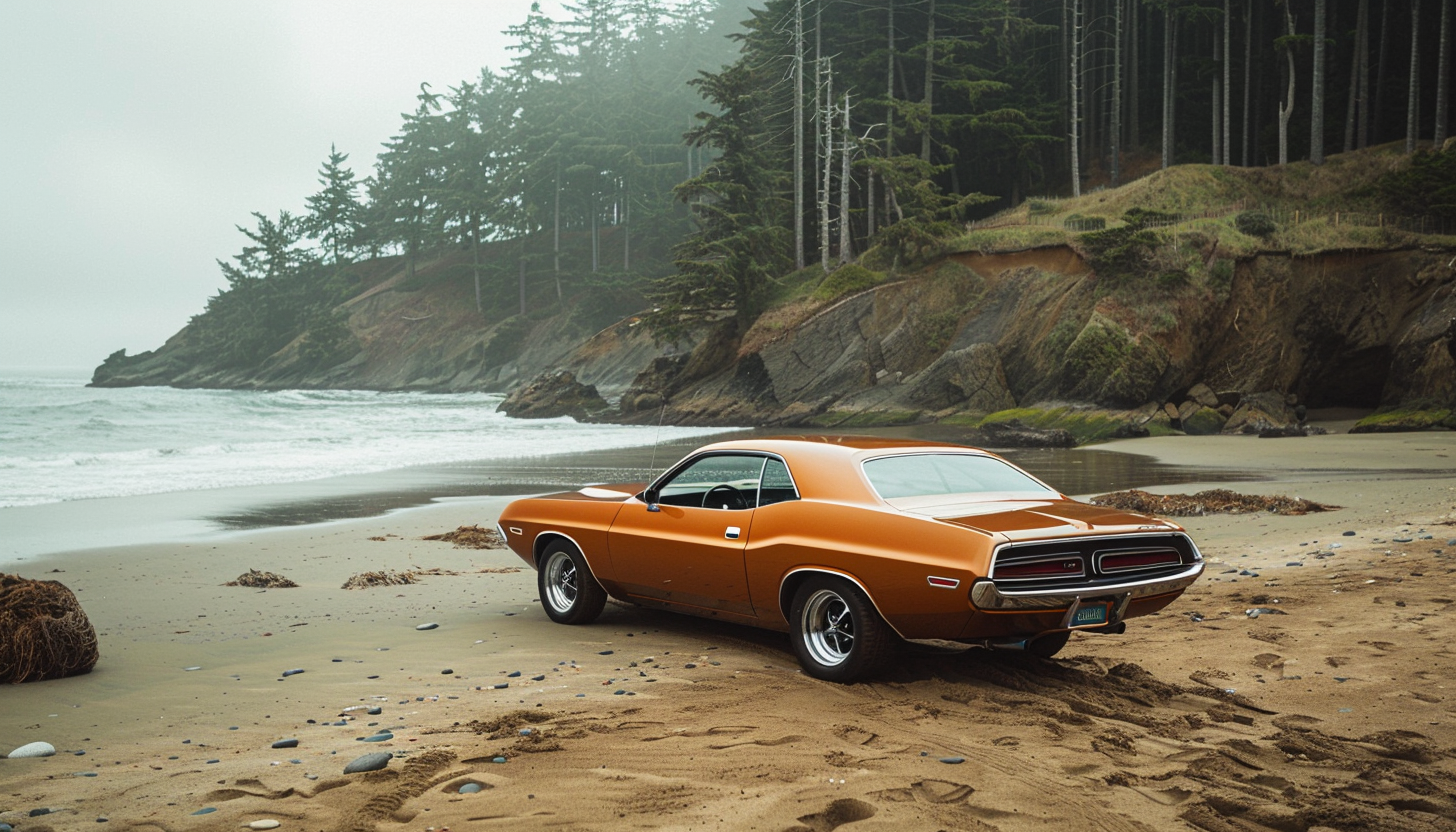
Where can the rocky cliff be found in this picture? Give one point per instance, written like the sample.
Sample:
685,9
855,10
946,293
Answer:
1155,321
1040,330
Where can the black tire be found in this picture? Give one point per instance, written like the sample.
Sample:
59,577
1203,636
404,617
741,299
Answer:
570,593
1046,646
837,633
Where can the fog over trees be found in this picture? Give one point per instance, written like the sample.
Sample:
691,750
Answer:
684,155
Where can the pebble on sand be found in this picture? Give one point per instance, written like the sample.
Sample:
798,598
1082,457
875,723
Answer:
383,736
294,672
432,625
33,749
209,810
953,760
286,744
369,762
264,824
470,788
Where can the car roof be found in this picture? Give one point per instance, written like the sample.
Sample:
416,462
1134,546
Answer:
847,444
819,463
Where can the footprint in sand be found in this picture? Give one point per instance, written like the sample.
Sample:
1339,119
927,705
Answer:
1268,661
837,814
927,791
792,738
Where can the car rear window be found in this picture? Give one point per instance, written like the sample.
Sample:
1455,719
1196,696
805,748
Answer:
922,475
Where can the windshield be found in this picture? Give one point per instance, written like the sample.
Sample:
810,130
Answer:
925,475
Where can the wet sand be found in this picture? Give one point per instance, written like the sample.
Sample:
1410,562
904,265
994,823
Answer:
1336,710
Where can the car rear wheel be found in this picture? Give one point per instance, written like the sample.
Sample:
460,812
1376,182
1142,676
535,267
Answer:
569,592
837,633
1048,645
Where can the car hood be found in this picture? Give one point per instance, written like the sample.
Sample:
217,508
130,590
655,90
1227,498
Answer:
1029,520
605,493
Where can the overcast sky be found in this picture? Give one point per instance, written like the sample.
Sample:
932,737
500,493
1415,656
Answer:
138,133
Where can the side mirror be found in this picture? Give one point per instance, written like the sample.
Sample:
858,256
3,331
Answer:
650,498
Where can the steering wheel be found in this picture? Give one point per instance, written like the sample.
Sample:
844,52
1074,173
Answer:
731,498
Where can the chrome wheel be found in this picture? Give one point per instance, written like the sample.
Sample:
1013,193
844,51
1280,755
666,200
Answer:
570,593
560,581
827,627
837,633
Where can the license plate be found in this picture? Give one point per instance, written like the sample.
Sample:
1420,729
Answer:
1090,616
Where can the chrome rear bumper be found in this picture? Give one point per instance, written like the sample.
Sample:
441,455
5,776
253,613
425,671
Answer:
987,596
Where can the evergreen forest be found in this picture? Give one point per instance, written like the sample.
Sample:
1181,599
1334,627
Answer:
684,156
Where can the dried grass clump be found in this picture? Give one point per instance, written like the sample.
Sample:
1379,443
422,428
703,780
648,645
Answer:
44,633
1213,501
387,577
261,580
471,537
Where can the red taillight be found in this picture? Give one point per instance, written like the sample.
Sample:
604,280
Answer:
1138,560
1059,568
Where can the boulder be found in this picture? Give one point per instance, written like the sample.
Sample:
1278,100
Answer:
1203,394
1258,412
1187,409
1014,434
1205,421
553,395
44,633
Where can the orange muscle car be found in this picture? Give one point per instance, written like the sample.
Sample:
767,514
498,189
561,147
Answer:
851,544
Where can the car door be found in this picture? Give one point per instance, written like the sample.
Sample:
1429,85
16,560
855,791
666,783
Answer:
687,548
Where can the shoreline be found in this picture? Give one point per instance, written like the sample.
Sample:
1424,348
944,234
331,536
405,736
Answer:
715,721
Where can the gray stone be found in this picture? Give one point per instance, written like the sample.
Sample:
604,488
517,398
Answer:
432,625
369,762
286,744
33,749
470,788
1204,395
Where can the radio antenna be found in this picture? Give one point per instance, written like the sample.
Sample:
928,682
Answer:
652,466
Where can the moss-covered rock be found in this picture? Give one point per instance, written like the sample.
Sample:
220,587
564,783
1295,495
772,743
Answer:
1402,420
1258,412
1107,364
1086,425
1205,421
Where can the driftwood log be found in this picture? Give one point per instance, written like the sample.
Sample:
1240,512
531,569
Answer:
44,633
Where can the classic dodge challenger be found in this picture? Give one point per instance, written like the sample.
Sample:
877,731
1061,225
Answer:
851,544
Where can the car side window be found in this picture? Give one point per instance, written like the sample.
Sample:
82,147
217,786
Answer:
776,486
718,481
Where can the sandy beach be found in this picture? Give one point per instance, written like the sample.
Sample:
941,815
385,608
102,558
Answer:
1335,710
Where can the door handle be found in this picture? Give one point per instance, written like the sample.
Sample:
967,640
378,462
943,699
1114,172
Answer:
733,532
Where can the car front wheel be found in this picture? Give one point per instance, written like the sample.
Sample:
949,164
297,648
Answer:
837,633
569,592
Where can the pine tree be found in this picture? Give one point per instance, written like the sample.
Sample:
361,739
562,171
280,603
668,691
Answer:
333,212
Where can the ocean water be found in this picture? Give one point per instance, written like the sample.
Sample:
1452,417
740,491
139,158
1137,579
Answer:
61,441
